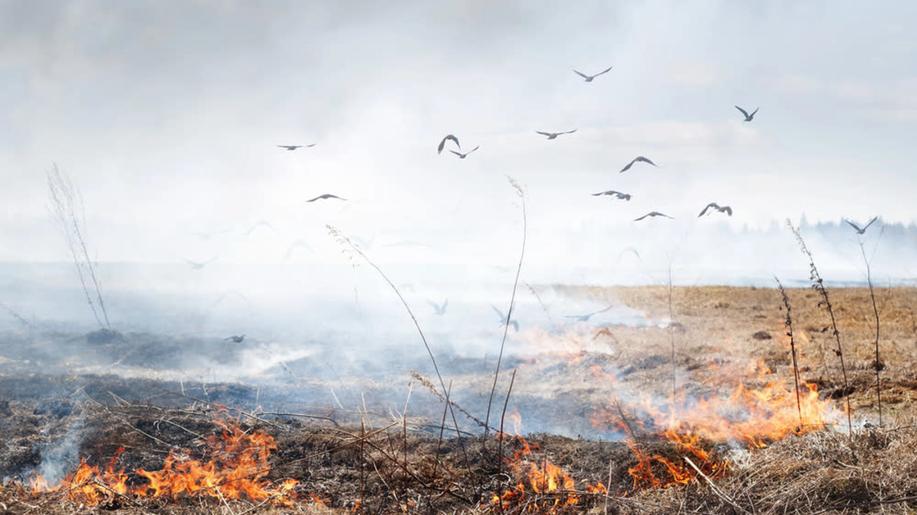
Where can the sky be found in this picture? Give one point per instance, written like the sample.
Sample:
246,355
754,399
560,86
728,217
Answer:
167,116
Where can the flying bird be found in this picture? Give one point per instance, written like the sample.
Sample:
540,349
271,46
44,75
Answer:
590,78
554,135
290,148
466,154
504,320
587,316
638,159
857,228
652,214
300,243
198,265
613,193
631,250
442,144
714,205
325,196
235,338
439,309
748,117
256,225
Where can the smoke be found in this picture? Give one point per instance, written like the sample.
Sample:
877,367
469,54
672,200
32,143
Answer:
62,455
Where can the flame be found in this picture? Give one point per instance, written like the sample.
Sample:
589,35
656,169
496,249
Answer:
541,486
735,412
237,469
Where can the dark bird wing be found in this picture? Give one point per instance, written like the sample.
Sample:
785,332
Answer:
708,206
599,194
326,196
644,160
753,113
855,226
568,132
642,217
744,112
583,75
544,133
870,223
627,167
499,314
515,325
310,145
603,72
457,153
442,144
472,150
727,210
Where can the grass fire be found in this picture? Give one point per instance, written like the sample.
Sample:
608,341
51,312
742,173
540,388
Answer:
458,257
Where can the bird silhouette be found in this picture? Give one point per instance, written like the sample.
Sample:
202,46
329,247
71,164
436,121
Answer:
198,265
290,148
300,243
554,135
631,250
442,144
256,225
858,229
613,193
748,117
714,205
653,214
235,338
638,159
504,319
587,316
590,78
326,196
439,309
466,154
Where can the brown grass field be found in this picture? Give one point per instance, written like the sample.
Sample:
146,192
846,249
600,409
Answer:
390,464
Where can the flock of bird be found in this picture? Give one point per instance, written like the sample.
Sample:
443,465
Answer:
451,138
461,154
453,141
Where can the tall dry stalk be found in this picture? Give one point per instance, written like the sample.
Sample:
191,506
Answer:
818,284
67,208
788,323
509,392
348,244
875,310
512,304
672,344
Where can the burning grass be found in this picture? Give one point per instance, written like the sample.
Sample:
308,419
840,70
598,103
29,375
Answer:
737,440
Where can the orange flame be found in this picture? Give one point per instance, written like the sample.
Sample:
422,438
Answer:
542,486
238,469
734,413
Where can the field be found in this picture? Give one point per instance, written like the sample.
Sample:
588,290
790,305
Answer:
598,420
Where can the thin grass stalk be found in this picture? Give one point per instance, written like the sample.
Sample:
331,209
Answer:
509,391
512,304
788,323
344,240
818,284
404,423
672,343
66,202
442,428
875,309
